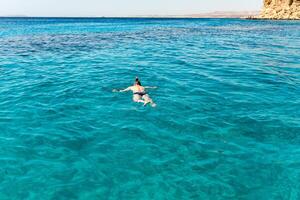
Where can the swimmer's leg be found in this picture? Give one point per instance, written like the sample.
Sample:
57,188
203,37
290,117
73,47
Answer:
147,100
137,98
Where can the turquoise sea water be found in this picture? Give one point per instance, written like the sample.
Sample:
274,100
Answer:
226,125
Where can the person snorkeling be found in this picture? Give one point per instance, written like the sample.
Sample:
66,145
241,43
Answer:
139,93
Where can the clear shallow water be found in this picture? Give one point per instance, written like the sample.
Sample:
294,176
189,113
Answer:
227,124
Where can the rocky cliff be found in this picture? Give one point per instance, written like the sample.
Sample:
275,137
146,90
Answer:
281,9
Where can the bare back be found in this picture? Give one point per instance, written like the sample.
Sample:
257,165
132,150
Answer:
137,88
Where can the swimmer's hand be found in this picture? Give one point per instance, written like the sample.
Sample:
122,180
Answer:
115,90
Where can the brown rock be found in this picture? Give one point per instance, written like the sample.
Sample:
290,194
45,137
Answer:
281,9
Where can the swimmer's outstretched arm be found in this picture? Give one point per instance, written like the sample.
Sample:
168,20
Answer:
150,87
125,90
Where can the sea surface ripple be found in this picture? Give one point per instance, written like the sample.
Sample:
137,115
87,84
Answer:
226,125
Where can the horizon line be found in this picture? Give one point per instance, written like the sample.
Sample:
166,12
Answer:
194,15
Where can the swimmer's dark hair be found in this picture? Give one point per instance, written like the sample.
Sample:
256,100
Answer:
137,81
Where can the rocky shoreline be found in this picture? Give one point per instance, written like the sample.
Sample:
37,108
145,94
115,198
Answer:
279,10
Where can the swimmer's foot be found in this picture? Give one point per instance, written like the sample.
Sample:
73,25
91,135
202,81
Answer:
153,105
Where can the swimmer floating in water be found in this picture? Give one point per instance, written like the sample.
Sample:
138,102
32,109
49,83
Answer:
139,93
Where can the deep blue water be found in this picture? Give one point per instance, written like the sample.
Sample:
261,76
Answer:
226,125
